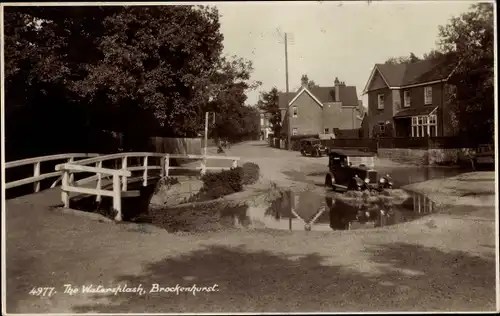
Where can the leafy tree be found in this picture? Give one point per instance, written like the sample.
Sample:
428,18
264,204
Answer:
305,82
403,59
138,70
470,39
234,121
269,103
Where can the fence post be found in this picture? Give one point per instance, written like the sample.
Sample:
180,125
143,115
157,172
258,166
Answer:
117,198
167,164
99,181
72,175
124,178
203,166
145,174
64,188
36,173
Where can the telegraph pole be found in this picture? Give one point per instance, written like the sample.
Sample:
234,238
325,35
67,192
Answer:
286,98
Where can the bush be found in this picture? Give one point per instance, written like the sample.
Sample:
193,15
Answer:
216,185
250,173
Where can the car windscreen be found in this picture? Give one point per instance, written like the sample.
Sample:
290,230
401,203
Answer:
366,161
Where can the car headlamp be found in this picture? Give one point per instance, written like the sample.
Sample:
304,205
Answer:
382,180
367,180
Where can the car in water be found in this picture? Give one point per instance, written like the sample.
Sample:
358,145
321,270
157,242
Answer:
354,170
313,147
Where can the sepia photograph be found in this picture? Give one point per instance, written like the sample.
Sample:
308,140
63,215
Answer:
253,157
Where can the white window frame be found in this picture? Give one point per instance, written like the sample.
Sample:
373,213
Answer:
428,95
407,98
295,112
421,123
295,131
327,130
380,101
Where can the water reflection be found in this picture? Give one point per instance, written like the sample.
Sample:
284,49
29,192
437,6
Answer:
311,211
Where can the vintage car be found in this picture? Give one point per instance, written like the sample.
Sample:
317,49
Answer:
313,147
354,170
485,155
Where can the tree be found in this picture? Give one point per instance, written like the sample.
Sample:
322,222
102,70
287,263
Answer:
234,120
269,103
403,60
305,82
137,70
469,38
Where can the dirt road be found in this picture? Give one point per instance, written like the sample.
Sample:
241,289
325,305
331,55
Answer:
437,263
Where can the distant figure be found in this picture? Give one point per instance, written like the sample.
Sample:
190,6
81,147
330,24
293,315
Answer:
307,227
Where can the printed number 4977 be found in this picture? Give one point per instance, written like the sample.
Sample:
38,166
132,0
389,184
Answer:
42,291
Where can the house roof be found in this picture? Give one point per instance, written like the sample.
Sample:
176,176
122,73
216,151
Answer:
348,95
400,75
414,111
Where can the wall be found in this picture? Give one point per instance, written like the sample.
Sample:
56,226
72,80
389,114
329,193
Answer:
309,120
188,146
335,115
427,156
376,115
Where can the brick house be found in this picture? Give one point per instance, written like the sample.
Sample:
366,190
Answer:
321,110
410,100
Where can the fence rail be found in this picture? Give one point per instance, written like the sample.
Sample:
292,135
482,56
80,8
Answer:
122,175
37,175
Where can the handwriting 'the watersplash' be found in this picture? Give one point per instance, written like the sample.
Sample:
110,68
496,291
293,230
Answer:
100,289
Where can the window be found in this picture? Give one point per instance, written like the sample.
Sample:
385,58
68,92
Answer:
432,119
423,126
295,131
380,101
407,99
381,127
327,130
428,95
295,111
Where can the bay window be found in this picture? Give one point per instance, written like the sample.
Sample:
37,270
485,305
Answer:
423,126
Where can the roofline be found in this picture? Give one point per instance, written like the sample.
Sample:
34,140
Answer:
414,85
411,85
406,116
372,74
308,92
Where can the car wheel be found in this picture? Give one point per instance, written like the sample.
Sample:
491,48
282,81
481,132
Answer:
329,181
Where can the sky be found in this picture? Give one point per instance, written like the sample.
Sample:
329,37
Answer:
329,39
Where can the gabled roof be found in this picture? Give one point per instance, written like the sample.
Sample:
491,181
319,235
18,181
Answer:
347,95
421,72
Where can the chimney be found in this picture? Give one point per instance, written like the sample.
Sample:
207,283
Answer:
337,89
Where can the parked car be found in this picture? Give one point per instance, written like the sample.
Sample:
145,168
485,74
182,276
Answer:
485,155
313,147
354,170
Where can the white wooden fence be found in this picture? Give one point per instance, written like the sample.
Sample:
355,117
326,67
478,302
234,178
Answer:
121,177
37,175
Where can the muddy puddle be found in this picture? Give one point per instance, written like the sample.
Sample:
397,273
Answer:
286,210
312,211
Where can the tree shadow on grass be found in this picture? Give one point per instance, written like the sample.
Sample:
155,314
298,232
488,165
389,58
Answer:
410,278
